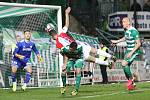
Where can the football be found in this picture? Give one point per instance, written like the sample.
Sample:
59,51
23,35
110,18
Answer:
49,27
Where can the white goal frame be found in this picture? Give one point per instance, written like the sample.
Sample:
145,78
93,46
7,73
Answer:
59,20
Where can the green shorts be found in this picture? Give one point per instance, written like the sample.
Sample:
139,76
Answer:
74,63
132,58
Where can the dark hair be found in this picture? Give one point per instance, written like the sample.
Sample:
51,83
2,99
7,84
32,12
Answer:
52,32
73,45
26,31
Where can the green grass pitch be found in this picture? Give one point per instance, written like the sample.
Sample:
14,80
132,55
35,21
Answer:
87,92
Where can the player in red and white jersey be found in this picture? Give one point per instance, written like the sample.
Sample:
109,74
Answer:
64,39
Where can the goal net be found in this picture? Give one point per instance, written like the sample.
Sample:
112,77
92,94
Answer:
16,18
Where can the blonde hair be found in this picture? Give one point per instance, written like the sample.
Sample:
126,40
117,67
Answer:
127,19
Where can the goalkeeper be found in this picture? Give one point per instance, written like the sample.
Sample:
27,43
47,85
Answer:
21,59
64,39
72,57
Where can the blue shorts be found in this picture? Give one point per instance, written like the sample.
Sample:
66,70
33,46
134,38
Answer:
20,64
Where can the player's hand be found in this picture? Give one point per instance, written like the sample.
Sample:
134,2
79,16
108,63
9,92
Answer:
67,11
40,59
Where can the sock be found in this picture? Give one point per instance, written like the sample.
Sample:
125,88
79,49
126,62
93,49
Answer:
63,80
127,72
98,61
28,76
103,53
25,84
78,79
13,76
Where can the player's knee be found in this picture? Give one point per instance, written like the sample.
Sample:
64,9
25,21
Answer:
14,69
79,63
29,71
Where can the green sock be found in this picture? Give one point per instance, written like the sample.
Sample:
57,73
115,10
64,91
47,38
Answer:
127,72
64,80
78,79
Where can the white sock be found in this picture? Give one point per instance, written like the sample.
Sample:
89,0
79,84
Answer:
14,83
98,61
25,84
103,53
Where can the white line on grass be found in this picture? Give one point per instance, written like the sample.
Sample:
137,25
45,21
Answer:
108,94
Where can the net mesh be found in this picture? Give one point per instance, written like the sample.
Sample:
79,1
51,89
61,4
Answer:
15,20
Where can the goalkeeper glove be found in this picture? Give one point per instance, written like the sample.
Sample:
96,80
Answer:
40,59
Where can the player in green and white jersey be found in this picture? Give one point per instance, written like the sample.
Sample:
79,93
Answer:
131,37
72,58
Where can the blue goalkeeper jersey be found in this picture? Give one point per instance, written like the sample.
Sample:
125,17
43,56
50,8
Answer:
24,48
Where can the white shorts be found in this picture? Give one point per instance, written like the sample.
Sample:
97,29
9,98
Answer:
86,49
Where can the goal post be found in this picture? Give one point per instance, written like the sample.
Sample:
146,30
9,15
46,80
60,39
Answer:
16,18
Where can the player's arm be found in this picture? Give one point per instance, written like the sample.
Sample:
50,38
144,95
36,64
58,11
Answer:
65,58
40,59
137,41
65,28
15,53
137,45
67,11
117,41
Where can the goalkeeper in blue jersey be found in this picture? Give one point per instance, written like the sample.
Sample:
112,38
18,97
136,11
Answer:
72,58
21,58
131,37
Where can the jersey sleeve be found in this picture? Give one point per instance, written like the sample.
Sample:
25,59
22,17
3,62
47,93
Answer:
35,49
63,41
135,34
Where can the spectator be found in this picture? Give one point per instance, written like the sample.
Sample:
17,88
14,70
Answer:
103,67
137,6
146,6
